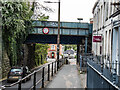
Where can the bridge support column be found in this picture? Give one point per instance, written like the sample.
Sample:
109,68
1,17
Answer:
78,53
31,55
86,39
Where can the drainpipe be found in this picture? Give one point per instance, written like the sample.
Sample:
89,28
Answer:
119,50
97,25
86,39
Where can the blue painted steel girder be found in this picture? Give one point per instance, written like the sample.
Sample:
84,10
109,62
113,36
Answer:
66,28
52,39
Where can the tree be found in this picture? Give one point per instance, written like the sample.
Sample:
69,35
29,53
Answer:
16,25
40,49
68,47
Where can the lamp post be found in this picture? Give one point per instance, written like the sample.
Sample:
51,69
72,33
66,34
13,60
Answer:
58,36
78,45
80,19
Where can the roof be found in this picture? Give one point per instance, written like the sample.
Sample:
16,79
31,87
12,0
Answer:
69,52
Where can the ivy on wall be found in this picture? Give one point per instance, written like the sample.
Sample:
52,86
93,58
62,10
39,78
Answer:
16,25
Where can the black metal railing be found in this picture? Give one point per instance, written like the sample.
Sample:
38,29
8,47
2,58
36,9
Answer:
46,73
100,74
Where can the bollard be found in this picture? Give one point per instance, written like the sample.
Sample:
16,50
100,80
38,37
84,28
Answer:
43,77
19,86
52,68
48,72
34,81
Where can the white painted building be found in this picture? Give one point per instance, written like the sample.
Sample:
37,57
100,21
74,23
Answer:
106,22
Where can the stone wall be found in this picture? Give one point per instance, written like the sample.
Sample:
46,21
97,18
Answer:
29,59
31,56
5,64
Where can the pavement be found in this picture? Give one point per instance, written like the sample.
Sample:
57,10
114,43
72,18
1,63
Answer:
83,78
68,77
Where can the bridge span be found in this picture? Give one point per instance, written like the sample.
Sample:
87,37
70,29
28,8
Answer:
70,32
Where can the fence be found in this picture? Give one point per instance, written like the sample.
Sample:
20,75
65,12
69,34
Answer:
99,76
83,61
39,77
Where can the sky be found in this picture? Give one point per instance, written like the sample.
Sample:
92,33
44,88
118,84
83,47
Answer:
70,10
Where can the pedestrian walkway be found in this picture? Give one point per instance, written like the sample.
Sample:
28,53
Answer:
67,77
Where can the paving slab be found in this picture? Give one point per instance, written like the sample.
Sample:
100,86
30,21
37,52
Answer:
67,77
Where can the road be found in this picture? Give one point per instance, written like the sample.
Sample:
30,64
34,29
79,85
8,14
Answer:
29,84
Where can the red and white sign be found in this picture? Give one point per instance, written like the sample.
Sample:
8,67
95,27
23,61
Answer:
97,38
45,30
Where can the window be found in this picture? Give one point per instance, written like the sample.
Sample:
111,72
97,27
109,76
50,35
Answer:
105,43
52,47
109,41
101,16
110,9
106,11
100,49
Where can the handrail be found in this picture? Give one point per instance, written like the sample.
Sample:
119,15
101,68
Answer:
33,73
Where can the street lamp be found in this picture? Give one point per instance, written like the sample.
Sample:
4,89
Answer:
80,19
78,45
58,36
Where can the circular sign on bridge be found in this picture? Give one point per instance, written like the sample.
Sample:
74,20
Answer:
45,30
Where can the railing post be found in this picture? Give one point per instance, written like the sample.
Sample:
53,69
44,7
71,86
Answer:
19,86
52,68
41,60
55,67
114,76
34,81
48,72
43,77
114,72
102,67
59,64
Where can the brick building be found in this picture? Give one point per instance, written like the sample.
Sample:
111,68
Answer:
52,51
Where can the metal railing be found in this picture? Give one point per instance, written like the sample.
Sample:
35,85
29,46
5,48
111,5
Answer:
83,61
100,74
96,79
47,72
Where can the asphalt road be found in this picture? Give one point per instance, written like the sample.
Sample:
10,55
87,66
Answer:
29,84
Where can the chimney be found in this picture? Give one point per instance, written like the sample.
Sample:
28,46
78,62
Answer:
91,20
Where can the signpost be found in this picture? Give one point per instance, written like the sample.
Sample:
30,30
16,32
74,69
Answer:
45,30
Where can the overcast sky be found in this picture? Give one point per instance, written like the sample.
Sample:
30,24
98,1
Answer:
71,10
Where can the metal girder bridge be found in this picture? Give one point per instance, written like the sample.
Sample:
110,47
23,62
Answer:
70,32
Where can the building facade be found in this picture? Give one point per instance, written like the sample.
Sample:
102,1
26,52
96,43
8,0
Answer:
52,51
106,21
